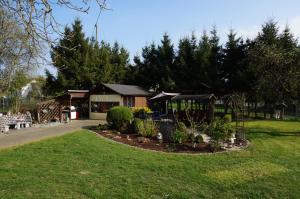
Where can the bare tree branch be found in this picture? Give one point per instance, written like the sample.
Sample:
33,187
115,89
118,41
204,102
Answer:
27,27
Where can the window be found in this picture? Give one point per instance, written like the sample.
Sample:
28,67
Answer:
129,101
102,107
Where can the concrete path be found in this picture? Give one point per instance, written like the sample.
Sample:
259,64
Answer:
23,136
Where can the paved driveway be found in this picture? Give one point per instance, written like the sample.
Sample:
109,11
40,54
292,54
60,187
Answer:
23,136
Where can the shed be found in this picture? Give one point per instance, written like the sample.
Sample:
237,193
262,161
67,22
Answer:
105,96
52,109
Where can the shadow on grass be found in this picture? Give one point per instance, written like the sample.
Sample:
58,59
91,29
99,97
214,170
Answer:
269,131
89,127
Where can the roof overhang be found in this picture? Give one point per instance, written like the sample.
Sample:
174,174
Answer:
164,96
202,98
78,91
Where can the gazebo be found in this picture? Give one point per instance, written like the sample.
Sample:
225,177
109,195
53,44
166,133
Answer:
200,107
162,103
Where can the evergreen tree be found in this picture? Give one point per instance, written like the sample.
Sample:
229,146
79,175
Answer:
185,62
50,86
148,69
234,74
119,61
215,62
202,66
70,56
155,67
166,56
82,63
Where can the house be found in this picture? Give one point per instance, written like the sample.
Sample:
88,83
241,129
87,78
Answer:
93,103
105,96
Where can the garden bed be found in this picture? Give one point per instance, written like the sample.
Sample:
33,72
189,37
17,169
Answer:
153,143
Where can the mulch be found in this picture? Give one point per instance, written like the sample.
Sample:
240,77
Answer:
153,143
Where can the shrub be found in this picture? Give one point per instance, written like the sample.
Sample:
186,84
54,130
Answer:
102,127
141,112
219,131
141,109
179,137
228,118
199,139
182,127
139,126
145,128
195,139
151,128
119,117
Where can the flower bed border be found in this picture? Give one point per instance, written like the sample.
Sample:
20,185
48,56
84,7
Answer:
163,147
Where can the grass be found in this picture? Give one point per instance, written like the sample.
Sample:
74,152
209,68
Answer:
83,165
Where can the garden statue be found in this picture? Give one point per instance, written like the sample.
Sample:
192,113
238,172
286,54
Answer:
159,136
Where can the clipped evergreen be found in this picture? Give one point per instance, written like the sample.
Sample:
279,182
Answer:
119,118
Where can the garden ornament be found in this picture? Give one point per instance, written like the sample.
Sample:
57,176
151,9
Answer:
159,136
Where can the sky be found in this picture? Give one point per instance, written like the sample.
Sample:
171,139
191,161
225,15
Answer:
136,23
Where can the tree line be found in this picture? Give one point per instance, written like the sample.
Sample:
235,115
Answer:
264,68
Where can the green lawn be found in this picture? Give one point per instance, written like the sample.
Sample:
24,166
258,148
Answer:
83,165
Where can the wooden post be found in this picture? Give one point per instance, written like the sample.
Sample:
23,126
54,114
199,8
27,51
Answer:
255,109
282,113
70,108
212,107
38,113
60,112
166,109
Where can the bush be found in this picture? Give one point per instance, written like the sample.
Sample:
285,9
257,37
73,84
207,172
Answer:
151,128
228,118
179,137
141,112
182,127
145,128
139,126
119,117
195,139
141,109
219,131
199,139
102,127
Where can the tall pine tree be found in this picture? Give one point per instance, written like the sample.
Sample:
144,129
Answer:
69,58
234,72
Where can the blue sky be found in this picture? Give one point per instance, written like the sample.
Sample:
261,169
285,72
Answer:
135,23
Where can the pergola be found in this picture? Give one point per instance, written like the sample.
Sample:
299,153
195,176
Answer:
200,107
164,101
53,109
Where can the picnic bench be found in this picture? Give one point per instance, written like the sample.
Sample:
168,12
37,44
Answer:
16,121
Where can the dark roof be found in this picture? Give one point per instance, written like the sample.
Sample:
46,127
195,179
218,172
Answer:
127,89
78,91
164,96
203,97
